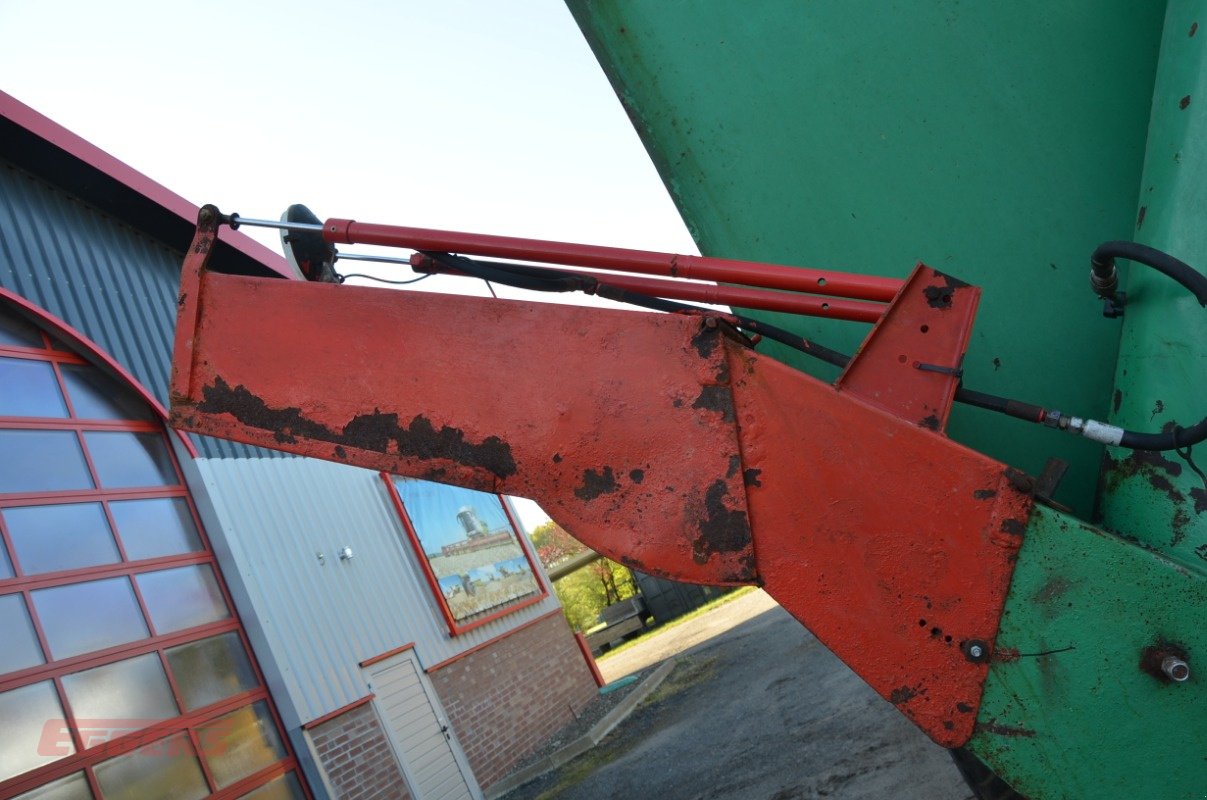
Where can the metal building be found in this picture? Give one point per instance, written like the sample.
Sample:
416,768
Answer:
188,617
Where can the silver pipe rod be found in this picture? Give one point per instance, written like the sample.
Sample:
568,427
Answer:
237,221
380,259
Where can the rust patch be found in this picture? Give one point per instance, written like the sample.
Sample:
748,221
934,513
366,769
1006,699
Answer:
964,708
1004,730
716,398
937,297
596,484
722,530
750,477
1179,522
984,494
1140,217
997,364
1194,27
930,421
949,725
340,452
1184,102
706,340
1200,500
637,475
374,432
1118,401
902,694
1054,588
1006,654
1014,527
557,458
1020,481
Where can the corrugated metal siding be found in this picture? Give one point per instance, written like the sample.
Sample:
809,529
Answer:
109,281
321,620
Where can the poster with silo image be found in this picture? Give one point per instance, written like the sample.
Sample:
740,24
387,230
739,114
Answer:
471,546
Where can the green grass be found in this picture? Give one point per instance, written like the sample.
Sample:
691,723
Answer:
704,609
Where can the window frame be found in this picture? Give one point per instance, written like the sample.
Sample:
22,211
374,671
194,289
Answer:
455,627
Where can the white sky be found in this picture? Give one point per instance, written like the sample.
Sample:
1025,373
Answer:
474,115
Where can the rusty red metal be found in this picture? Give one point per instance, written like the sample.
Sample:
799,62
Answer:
661,441
722,270
715,294
910,364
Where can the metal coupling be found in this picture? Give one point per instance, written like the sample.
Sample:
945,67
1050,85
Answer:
1105,285
1176,669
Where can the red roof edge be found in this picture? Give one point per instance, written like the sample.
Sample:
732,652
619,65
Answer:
84,151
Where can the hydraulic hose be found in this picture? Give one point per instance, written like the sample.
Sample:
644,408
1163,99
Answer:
1104,280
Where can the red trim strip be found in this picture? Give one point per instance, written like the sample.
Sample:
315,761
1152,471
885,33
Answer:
585,649
494,640
82,150
368,662
66,332
314,723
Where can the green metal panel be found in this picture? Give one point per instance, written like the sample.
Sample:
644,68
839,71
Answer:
997,141
1084,721
1162,373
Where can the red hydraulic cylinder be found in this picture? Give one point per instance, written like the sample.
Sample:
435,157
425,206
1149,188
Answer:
648,262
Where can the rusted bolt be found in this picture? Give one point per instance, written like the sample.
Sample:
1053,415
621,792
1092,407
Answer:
710,322
976,651
1176,669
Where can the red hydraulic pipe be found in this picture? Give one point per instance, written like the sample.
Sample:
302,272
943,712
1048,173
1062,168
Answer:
852,310
721,270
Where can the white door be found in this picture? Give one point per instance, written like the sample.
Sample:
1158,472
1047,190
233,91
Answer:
419,731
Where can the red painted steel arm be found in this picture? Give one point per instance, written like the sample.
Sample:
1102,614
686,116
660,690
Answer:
662,441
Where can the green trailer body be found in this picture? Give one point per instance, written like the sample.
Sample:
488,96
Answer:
999,142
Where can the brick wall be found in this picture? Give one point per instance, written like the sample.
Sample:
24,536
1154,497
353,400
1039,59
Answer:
356,756
507,699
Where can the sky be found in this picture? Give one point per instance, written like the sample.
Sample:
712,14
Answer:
472,115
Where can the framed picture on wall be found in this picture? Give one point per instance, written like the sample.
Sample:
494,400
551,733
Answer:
471,549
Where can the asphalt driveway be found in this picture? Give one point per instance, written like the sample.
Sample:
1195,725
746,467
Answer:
757,709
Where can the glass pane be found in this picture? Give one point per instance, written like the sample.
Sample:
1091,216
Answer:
49,538
81,617
94,395
116,699
73,787
151,528
19,648
124,460
42,461
163,769
29,389
35,732
285,787
239,743
18,333
210,670
182,597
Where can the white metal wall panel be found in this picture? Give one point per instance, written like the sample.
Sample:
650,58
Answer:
320,620
113,283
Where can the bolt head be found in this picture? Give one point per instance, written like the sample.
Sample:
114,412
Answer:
1175,669
976,651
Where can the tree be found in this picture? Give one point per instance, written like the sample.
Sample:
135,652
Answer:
587,591
553,545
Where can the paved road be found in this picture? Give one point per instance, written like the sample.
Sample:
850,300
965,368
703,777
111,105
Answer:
756,710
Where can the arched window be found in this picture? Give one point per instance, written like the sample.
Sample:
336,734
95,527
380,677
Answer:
124,670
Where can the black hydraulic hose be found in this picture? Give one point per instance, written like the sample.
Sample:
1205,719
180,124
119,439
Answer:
1104,279
1102,266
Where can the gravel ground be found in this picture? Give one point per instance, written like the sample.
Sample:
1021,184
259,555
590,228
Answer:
757,709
